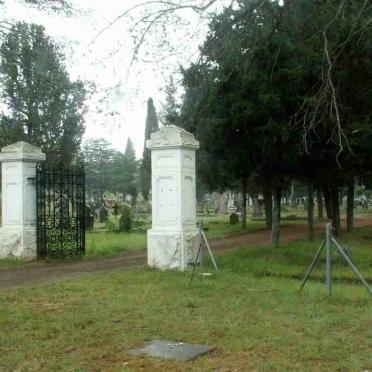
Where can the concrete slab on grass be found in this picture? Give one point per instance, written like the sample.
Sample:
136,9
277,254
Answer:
172,350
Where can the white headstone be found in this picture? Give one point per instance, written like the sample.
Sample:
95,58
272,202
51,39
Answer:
18,231
174,238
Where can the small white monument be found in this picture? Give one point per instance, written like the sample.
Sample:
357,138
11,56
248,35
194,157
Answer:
174,238
18,231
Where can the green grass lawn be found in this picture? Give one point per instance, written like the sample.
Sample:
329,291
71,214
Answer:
109,243
101,243
251,311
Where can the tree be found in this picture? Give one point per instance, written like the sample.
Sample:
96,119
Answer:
239,107
56,6
170,109
100,168
42,105
151,126
129,171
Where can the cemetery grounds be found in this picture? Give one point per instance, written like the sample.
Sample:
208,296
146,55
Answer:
251,311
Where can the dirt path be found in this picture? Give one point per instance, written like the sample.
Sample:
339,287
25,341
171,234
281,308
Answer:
46,272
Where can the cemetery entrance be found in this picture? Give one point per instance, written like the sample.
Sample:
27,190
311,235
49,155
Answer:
60,210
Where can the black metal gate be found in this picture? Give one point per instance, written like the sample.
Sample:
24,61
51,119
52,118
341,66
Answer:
60,210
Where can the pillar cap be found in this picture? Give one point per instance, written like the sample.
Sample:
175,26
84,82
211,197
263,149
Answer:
172,136
21,151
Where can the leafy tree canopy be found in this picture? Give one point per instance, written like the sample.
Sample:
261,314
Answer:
42,105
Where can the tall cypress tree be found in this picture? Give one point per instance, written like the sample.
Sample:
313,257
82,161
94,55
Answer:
152,125
129,171
170,109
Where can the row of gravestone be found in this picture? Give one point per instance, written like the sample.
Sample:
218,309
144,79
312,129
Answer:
102,213
92,213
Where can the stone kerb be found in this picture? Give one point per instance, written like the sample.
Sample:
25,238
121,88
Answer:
18,231
173,239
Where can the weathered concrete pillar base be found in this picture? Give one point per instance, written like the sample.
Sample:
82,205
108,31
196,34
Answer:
172,249
18,243
173,239
18,232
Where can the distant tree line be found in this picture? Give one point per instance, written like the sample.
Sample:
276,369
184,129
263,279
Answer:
109,170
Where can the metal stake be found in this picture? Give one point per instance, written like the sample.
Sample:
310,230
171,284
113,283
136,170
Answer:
196,261
329,258
353,267
328,243
203,240
311,268
209,249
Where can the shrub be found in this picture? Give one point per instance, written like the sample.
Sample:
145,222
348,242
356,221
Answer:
110,225
140,223
234,219
125,222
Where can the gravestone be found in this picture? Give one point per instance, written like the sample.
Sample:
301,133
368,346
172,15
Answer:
89,218
103,214
174,237
234,219
231,202
222,202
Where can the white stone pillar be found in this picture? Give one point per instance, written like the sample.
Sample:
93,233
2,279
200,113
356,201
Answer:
174,238
18,231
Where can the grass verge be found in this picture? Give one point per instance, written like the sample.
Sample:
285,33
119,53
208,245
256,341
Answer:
257,322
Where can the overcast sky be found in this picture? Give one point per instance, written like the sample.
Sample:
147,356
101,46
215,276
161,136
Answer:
118,109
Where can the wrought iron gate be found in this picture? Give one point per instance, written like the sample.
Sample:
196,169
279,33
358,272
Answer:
60,210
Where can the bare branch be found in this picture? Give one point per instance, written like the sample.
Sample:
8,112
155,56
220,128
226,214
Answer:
169,7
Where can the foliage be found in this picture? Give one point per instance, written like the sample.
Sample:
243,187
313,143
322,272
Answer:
140,223
99,159
110,224
234,219
128,172
152,125
42,105
108,170
125,222
170,109
57,6
261,97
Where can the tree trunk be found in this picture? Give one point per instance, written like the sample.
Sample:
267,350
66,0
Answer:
244,202
320,204
310,211
268,200
292,197
257,212
350,206
335,197
275,229
328,202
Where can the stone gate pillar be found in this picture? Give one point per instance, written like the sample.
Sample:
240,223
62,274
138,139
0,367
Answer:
173,239
18,231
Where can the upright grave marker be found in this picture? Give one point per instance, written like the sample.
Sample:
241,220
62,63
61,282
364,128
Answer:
174,238
18,231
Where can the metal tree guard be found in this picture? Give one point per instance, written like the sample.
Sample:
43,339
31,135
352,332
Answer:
200,255
327,242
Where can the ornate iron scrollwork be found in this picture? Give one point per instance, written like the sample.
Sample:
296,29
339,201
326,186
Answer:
60,206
